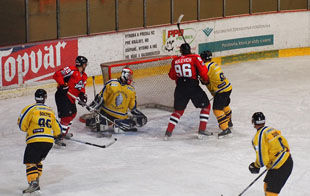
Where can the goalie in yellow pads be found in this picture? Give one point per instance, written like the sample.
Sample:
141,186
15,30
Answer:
220,88
114,100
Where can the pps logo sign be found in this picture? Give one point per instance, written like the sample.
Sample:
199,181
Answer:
172,39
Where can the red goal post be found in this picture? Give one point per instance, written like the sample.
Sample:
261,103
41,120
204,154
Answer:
150,78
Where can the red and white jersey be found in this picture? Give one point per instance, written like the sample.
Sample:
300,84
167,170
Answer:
75,80
188,66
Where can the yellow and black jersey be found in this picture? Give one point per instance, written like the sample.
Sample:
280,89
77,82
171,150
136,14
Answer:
40,123
218,83
271,148
118,98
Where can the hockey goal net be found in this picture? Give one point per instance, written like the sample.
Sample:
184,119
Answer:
154,89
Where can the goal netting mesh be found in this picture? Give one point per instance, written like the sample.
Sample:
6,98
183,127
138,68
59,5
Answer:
153,86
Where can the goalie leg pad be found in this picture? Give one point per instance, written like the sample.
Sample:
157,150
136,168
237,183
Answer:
126,124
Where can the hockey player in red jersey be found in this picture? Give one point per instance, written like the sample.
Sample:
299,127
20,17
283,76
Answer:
185,70
71,82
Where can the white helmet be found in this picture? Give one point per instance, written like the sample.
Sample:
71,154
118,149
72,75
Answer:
127,75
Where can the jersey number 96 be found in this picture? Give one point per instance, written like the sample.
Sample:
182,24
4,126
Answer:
183,70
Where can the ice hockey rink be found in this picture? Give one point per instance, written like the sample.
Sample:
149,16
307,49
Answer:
143,164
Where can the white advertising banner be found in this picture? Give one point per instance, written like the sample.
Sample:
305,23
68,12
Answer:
224,37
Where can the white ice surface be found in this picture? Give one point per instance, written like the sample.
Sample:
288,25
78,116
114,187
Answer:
144,164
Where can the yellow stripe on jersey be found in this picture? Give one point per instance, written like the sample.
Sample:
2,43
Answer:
272,149
39,122
217,81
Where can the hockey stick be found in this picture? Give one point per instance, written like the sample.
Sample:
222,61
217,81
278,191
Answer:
178,25
99,146
97,120
253,182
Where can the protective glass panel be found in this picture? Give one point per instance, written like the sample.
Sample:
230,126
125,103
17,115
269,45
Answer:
293,4
12,17
102,15
130,14
264,5
186,7
237,7
157,12
211,9
72,18
42,20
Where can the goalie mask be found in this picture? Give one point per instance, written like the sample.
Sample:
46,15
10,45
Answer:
127,76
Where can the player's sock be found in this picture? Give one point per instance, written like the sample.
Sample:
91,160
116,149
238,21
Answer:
221,119
204,117
174,119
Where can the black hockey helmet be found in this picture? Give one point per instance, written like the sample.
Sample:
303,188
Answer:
80,60
206,55
185,49
40,95
258,118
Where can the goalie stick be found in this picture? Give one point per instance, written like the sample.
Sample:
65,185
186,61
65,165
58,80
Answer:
97,120
92,144
178,25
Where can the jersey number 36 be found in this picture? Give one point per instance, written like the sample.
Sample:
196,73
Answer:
183,70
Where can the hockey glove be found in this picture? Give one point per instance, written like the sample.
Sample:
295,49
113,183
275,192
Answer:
204,82
253,169
82,99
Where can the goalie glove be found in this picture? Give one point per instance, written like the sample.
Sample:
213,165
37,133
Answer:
139,118
98,101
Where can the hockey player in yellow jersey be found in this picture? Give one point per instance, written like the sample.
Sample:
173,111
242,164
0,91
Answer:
220,88
272,150
115,99
41,126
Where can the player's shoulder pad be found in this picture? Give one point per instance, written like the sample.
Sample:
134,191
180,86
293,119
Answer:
130,87
112,82
211,64
197,56
43,107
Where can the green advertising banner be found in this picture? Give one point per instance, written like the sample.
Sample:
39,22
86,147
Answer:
232,44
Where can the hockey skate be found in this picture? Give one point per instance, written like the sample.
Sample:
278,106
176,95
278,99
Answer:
230,124
33,186
68,136
59,142
225,133
167,135
202,134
